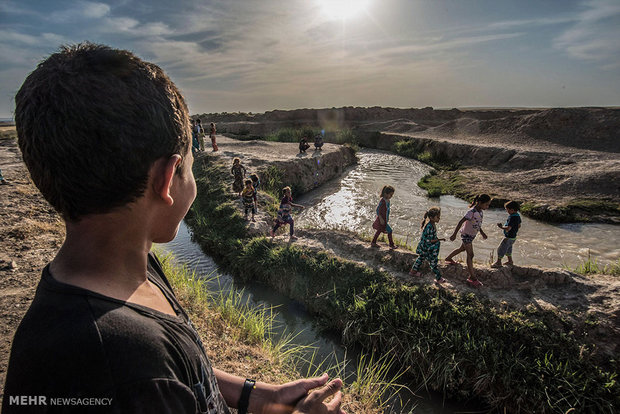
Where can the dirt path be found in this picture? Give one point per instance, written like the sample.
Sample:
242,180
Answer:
592,298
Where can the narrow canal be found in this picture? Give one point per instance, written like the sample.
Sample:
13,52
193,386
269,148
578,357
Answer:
349,203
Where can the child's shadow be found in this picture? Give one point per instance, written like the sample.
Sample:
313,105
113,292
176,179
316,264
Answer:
302,154
317,153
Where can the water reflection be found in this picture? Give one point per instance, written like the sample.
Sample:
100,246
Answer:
349,203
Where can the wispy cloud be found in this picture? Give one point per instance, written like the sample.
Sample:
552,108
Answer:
595,35
83,10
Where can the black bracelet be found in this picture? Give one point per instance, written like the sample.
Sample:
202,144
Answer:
244,400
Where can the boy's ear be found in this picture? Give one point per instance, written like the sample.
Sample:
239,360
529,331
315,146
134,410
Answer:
164,174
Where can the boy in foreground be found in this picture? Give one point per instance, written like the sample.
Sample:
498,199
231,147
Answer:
106,138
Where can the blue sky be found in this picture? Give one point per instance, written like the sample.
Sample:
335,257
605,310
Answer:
259,55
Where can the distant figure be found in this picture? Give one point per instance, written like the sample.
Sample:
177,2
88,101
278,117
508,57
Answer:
428,248
256,185
212,136
2,180
511,227
318,142
383,215
284,213
303,145
248,195
238,171
200,133
473,224
195,143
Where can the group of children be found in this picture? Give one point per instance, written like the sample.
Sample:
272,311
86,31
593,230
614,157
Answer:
198,136
469,226
318,143
248,194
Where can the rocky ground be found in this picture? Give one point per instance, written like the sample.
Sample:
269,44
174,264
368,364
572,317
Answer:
30,235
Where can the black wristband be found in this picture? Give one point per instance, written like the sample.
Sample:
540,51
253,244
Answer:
244,400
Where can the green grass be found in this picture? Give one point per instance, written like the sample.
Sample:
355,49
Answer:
416,149
459,344
374,382
444,182
293,134
591,266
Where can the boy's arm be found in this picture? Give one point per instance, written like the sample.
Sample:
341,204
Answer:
279,399
484,235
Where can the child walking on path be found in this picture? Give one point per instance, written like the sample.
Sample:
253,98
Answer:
284,213
473,224
249,195
383,215
212,136
256,185
428,248
200,133
238,171
513,223
195,143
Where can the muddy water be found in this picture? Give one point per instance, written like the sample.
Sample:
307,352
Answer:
292,318
349,203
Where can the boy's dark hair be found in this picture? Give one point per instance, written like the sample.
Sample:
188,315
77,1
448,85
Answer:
248,182
254,177
513,205
91,120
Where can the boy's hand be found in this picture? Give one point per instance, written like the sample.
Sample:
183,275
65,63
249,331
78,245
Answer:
453,237
500,225
442,239
314,402
294,396
484,236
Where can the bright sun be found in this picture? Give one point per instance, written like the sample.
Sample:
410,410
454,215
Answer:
342,9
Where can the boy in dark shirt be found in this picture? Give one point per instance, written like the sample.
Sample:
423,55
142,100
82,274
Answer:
106,138
511,228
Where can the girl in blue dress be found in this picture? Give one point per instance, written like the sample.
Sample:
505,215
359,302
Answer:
428,248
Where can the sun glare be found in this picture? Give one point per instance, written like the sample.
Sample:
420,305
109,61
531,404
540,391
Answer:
342,9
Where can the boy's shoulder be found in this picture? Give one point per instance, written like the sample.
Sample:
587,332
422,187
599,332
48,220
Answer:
72,337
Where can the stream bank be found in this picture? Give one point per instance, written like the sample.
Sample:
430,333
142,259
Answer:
515,358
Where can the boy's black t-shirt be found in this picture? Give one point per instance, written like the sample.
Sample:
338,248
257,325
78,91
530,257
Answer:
77,351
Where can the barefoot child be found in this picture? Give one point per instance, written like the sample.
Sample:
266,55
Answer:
513,223
383,215
473,224
248,195
318,142
105,322
303,145
428,248
212,136
238,171
284,213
